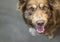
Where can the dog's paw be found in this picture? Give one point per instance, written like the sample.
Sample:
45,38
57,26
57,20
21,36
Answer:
32,31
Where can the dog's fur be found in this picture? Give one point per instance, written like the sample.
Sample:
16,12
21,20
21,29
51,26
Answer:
48,10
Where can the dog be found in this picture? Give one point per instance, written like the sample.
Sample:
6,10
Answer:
42,16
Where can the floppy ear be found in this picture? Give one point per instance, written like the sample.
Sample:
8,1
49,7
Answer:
20,4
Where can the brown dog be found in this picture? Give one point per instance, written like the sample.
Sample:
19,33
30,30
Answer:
41,15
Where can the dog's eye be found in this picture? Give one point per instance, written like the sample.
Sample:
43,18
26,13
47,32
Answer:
28,12
43,7
31,8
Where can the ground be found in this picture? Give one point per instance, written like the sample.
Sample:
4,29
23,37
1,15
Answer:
13,28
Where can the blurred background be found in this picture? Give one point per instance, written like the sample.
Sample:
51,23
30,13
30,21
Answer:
13,28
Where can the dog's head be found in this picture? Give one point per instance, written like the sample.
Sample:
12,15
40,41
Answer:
37,13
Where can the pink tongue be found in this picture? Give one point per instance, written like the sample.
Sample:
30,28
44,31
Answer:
40,29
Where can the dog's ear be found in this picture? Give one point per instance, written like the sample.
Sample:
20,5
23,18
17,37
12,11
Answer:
21,3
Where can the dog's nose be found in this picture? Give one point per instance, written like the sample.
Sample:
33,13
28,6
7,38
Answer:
40,22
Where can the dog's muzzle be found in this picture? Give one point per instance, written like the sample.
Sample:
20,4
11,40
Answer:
40,26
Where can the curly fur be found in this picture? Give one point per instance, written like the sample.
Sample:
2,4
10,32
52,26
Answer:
53,7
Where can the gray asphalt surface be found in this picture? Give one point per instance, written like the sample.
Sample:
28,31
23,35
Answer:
13,28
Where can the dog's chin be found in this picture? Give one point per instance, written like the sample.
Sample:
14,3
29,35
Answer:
40,29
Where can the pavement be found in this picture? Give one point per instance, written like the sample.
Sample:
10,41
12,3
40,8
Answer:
14,29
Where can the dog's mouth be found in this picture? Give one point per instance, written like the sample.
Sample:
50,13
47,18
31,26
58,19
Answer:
40,29
40,26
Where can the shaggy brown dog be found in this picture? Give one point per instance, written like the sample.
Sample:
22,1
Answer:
42,15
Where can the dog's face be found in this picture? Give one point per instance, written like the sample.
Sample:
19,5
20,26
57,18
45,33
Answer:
37,13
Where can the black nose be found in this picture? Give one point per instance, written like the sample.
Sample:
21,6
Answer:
40,23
